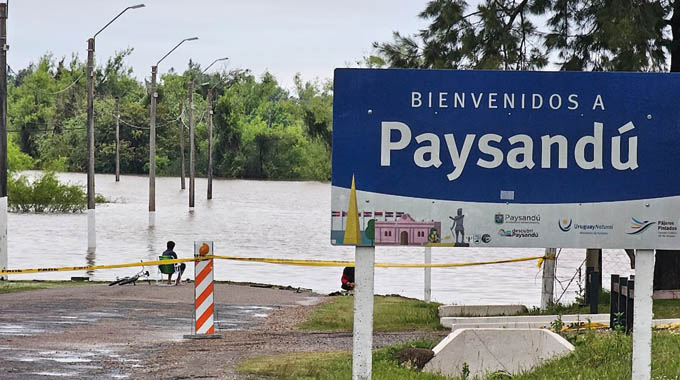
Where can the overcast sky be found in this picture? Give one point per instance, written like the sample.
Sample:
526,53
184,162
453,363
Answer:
282,36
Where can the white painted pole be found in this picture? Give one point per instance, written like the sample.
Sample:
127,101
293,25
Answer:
642,314
3,235
548,279
362,354
428,275
91,229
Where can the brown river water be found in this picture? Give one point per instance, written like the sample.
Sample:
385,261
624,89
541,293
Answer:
266,219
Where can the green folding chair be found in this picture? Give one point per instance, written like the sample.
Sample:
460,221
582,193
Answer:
168,269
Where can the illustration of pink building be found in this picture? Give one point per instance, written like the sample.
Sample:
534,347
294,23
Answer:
404,231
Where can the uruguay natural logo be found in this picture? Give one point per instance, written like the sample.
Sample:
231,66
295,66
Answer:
639,227
564,224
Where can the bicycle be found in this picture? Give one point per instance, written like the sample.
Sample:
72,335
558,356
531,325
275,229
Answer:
132,279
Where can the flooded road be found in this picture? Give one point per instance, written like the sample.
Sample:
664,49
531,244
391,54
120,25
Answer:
266,219
103,332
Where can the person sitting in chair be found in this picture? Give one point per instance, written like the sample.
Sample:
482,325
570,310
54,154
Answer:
347,279
171,253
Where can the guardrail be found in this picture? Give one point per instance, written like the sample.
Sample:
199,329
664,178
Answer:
621,303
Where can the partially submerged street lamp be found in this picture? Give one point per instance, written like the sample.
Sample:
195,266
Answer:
210,143
91,230
152,138
3,138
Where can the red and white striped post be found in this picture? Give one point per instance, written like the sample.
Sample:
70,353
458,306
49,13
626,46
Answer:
204,321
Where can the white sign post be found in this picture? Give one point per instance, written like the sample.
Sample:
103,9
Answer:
428,275
363,313
642,314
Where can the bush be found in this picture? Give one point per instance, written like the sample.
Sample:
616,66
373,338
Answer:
57,165
45,194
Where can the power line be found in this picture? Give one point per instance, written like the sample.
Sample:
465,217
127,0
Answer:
70,85
132,125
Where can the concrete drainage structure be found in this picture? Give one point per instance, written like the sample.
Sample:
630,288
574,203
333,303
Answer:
490,350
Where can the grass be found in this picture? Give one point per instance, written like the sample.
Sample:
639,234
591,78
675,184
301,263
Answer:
601,356
662,308
390,313
20,286
334,365
608,356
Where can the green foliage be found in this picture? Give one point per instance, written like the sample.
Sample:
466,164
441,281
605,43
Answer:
607,356
20,286
370,229
631,35
557,325
389,314
57,165
16,160
335,365
260,129
44,194
663,309
465,372
603,356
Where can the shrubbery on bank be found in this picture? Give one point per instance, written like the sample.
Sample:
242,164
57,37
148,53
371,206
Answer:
44,194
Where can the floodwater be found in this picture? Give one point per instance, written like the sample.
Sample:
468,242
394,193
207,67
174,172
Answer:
267,219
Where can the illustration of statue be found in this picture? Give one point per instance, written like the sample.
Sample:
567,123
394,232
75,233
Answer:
457,225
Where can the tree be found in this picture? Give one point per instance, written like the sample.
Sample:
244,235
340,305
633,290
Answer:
622,35
498,35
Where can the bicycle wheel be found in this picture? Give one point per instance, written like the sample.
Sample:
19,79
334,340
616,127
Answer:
118,281
129,280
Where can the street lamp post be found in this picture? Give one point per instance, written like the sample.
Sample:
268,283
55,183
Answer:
192,173
91,231
152,138
3,137
117,111
210,134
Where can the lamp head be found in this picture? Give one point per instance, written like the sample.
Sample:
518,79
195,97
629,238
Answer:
137,6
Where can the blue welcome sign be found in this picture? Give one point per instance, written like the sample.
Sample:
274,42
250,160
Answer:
507,159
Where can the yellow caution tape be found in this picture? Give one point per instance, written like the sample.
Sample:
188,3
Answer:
314,263
585,325
550,256
93,267
335,263
668,326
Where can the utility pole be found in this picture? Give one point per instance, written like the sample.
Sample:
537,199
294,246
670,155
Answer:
152,137
210,134
152,150
191,146
181,145
210,142
91,230
117,140
3,138
547,291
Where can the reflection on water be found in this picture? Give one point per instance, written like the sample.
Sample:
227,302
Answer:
264,219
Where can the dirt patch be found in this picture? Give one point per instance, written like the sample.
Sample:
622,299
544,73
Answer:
101,332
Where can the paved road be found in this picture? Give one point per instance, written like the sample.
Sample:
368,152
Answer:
102,332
